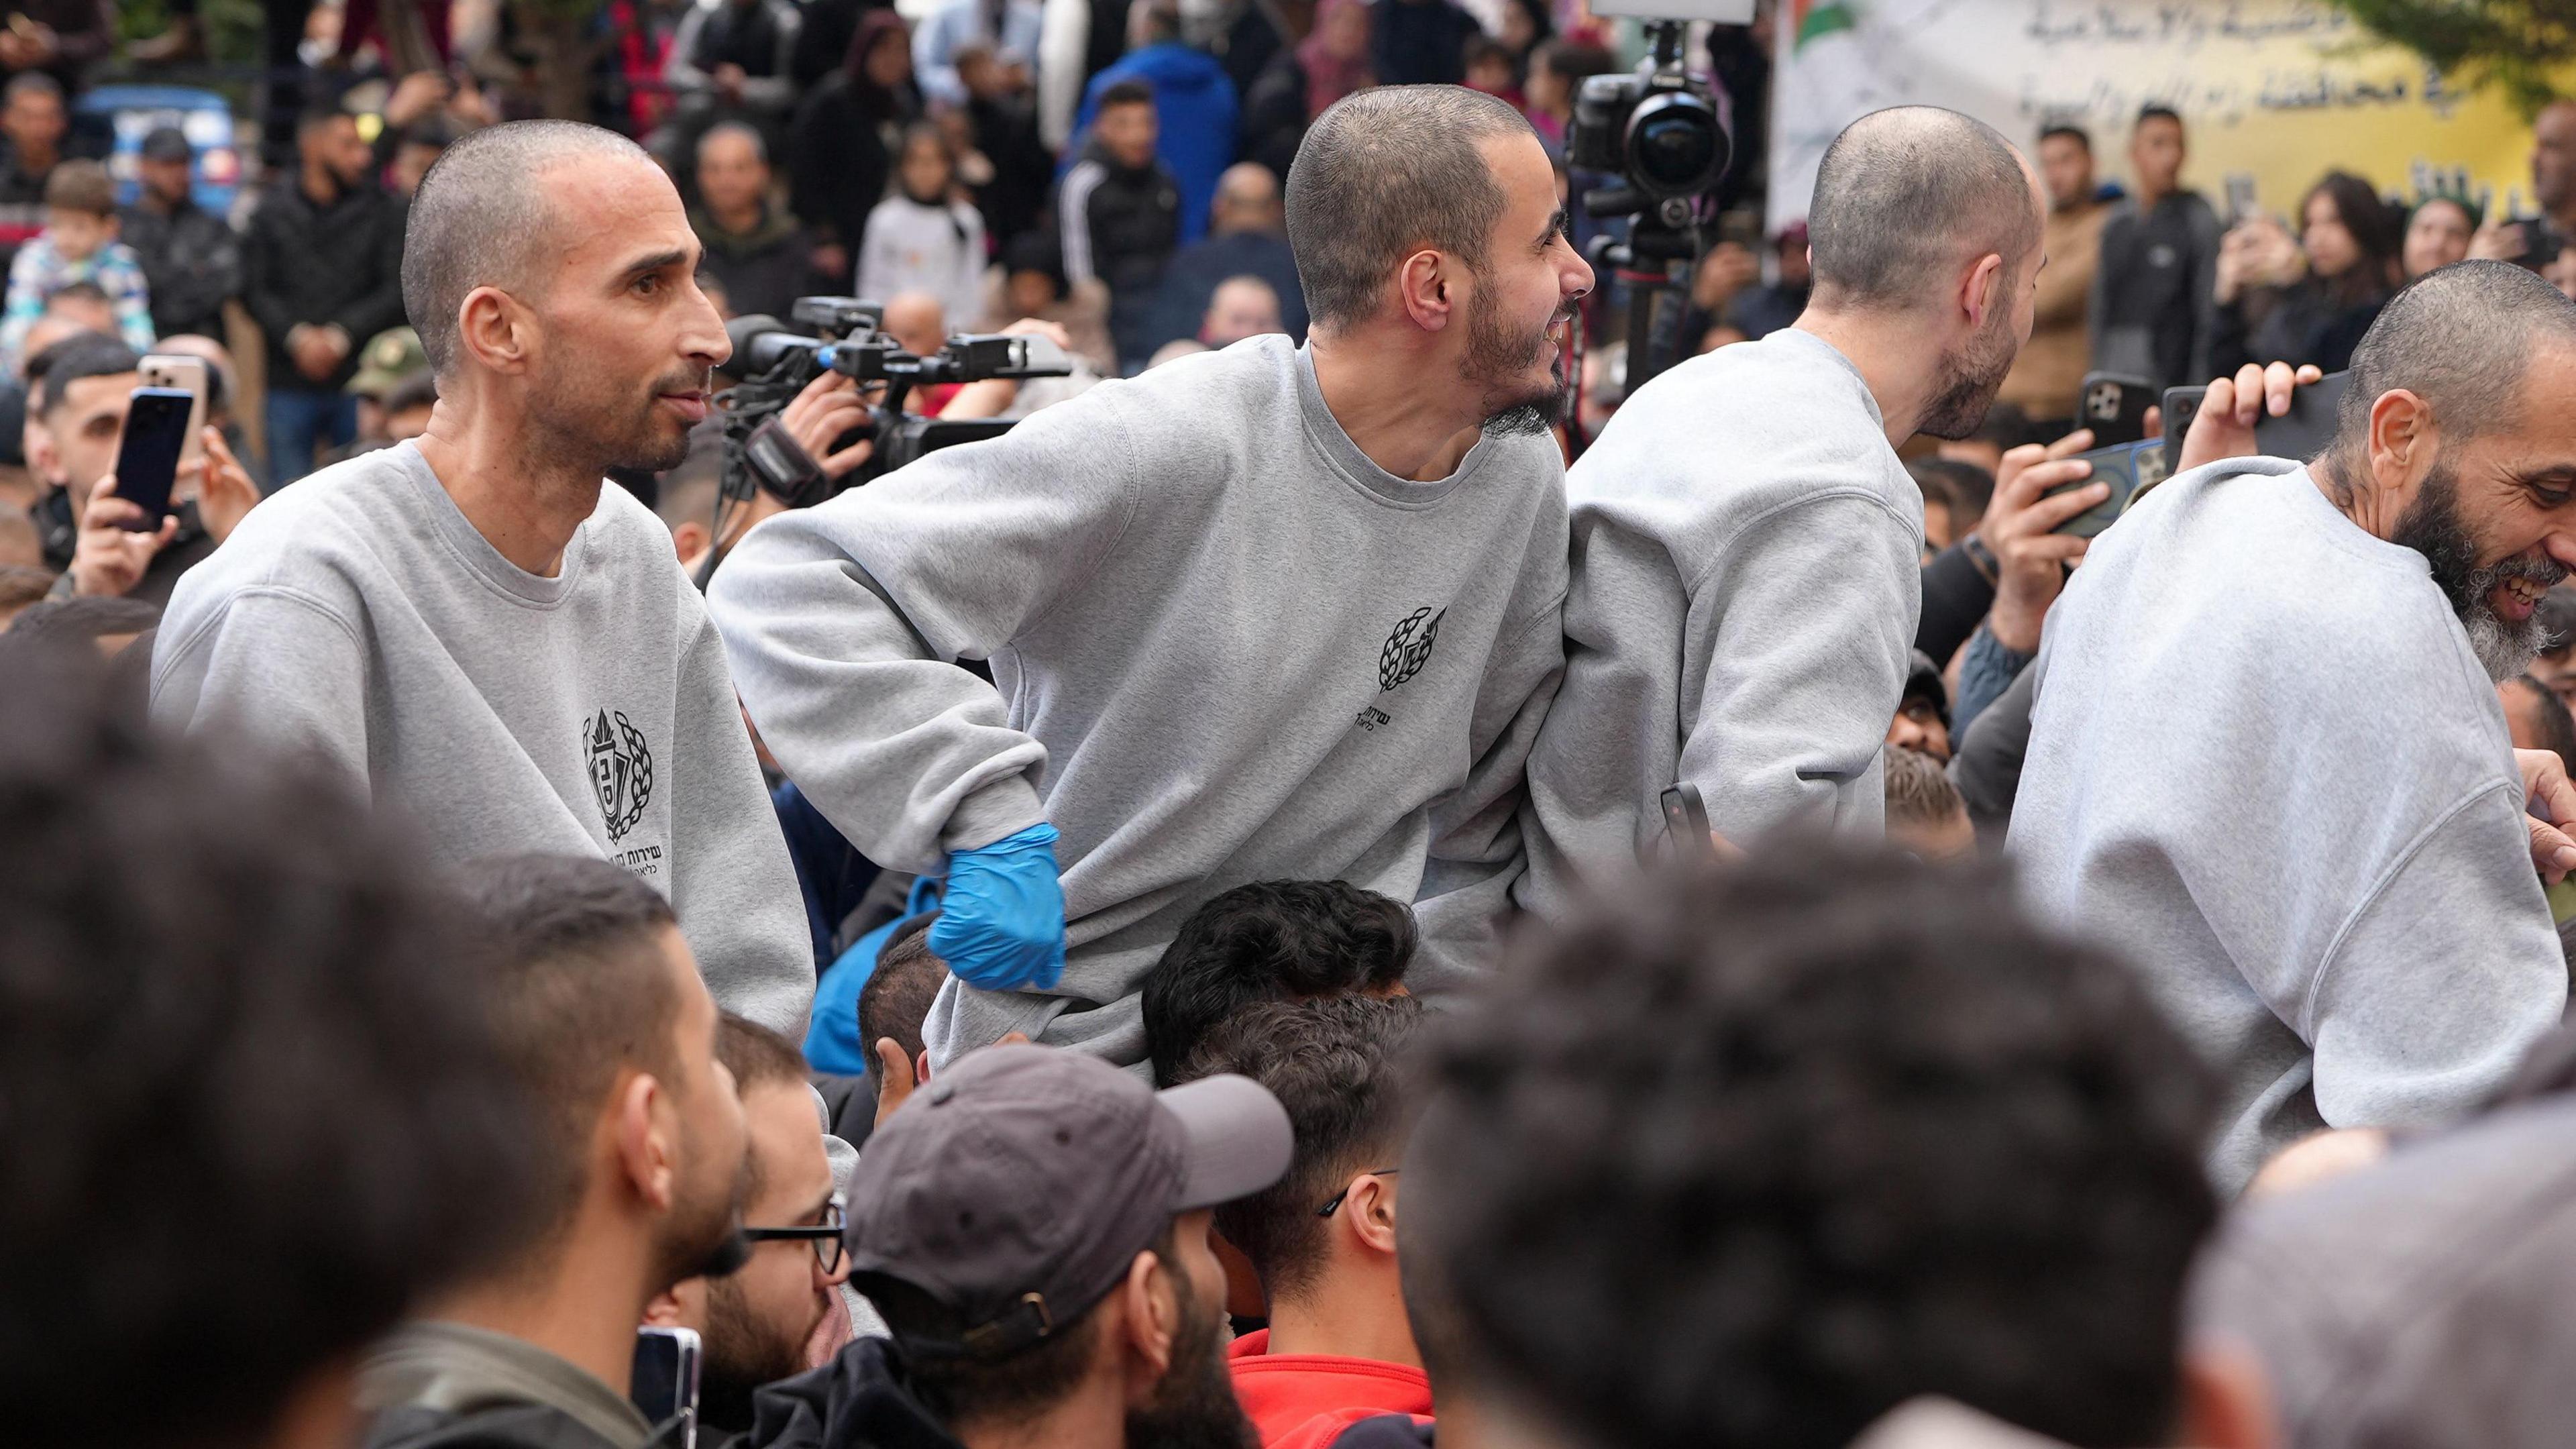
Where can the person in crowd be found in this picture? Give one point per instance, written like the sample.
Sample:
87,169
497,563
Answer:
1557,72
1420,42
1086,1309
923,237
2005,428
2373,1325
558,682
78,246
89,385
2053,363
1524,27
1247,238
321,273
1279,940
2555,667
1337,1347
22,586
1119,215
1742,609
2399,986
601,1017
411,405
2553,191
1009,27
1400,569
1954,500
60,39
1030,283
191,258
1922,722
1962,1150
894,1005
848,131
733,60
1302,82
1926,816
2307,301
756,1321
761,257
277,987
33,120
1194,105
1492,69
2438,233
1011,166
417,148
1241,307
1766,307
2536,719
2155,286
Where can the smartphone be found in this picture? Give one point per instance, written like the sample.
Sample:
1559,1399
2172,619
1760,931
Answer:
2114,406
2240,197
666,1380
2303,432
147,455
2130,468
181,373
1686,821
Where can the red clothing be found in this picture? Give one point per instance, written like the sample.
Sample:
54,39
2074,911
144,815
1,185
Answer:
1303,1400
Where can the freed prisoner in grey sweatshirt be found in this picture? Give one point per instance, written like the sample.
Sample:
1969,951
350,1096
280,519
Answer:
2265,765
360,617
1226,648
1746,577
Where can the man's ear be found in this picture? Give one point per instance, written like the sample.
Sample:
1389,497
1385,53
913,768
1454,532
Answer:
663,1310
1984,289
689,539
1370,1209
2401,428
1150,1300
1425,286
2226,1397
642,1129
493,328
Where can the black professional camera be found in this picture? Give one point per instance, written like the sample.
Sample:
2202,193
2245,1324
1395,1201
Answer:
776,364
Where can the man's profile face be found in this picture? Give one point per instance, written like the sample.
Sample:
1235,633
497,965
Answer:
336,144
1973,372
34,121
2495,516
731,175
85,418
2066,164
1128,132
697,1233
626,344
2156,153
1521,299
2553,158
760,1316
167,180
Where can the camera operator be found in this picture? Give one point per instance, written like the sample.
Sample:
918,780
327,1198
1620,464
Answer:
1264,613
1747,547
471,624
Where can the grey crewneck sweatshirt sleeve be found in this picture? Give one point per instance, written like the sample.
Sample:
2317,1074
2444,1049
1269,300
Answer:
842,622
223,670
1791,715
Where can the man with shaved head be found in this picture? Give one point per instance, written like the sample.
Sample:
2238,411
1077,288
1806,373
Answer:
1746,546
469,626
2267,755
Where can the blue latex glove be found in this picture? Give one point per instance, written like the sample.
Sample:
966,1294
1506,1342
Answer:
1001,923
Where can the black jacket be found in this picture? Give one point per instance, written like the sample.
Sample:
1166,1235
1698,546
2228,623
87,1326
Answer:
508,1426
842,156
2298,324
863,1396
192,263
765,269
1120,224
303,263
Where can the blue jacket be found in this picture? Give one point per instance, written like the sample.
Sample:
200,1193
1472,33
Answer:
1194,103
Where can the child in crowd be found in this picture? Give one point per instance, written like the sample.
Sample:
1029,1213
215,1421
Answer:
77,245
922,239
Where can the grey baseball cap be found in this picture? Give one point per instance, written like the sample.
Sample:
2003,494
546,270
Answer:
1016,1188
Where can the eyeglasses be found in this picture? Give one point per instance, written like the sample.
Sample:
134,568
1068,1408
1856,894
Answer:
825,1236
1328,1209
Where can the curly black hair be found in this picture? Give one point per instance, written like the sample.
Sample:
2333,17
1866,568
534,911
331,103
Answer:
250,1109
1277,940
1765,1151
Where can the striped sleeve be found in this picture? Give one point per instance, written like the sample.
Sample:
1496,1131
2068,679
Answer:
1074,201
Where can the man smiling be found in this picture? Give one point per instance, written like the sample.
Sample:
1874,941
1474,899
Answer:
2267,755
471,627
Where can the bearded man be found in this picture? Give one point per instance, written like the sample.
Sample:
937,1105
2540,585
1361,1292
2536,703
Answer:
1269,613
474,630
2267,756
1746,546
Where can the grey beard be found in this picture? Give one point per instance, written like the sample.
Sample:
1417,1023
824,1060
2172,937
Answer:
2504,649
2432,527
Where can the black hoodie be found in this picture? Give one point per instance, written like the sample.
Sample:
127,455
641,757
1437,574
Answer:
863,1397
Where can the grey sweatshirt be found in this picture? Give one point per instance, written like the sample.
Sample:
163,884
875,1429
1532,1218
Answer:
1228,648
2265,765
1746,577
360,617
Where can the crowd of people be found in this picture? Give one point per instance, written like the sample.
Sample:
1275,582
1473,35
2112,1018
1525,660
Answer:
1346,879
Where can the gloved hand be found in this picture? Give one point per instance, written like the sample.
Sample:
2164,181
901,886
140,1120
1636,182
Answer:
1001,923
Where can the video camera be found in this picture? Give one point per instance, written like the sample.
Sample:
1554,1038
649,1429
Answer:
777,363
1655,130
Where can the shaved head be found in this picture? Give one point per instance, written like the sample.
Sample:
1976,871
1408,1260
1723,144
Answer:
1904,197
482,214
2461,338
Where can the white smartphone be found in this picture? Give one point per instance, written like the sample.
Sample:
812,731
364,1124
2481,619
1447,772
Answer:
182,373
